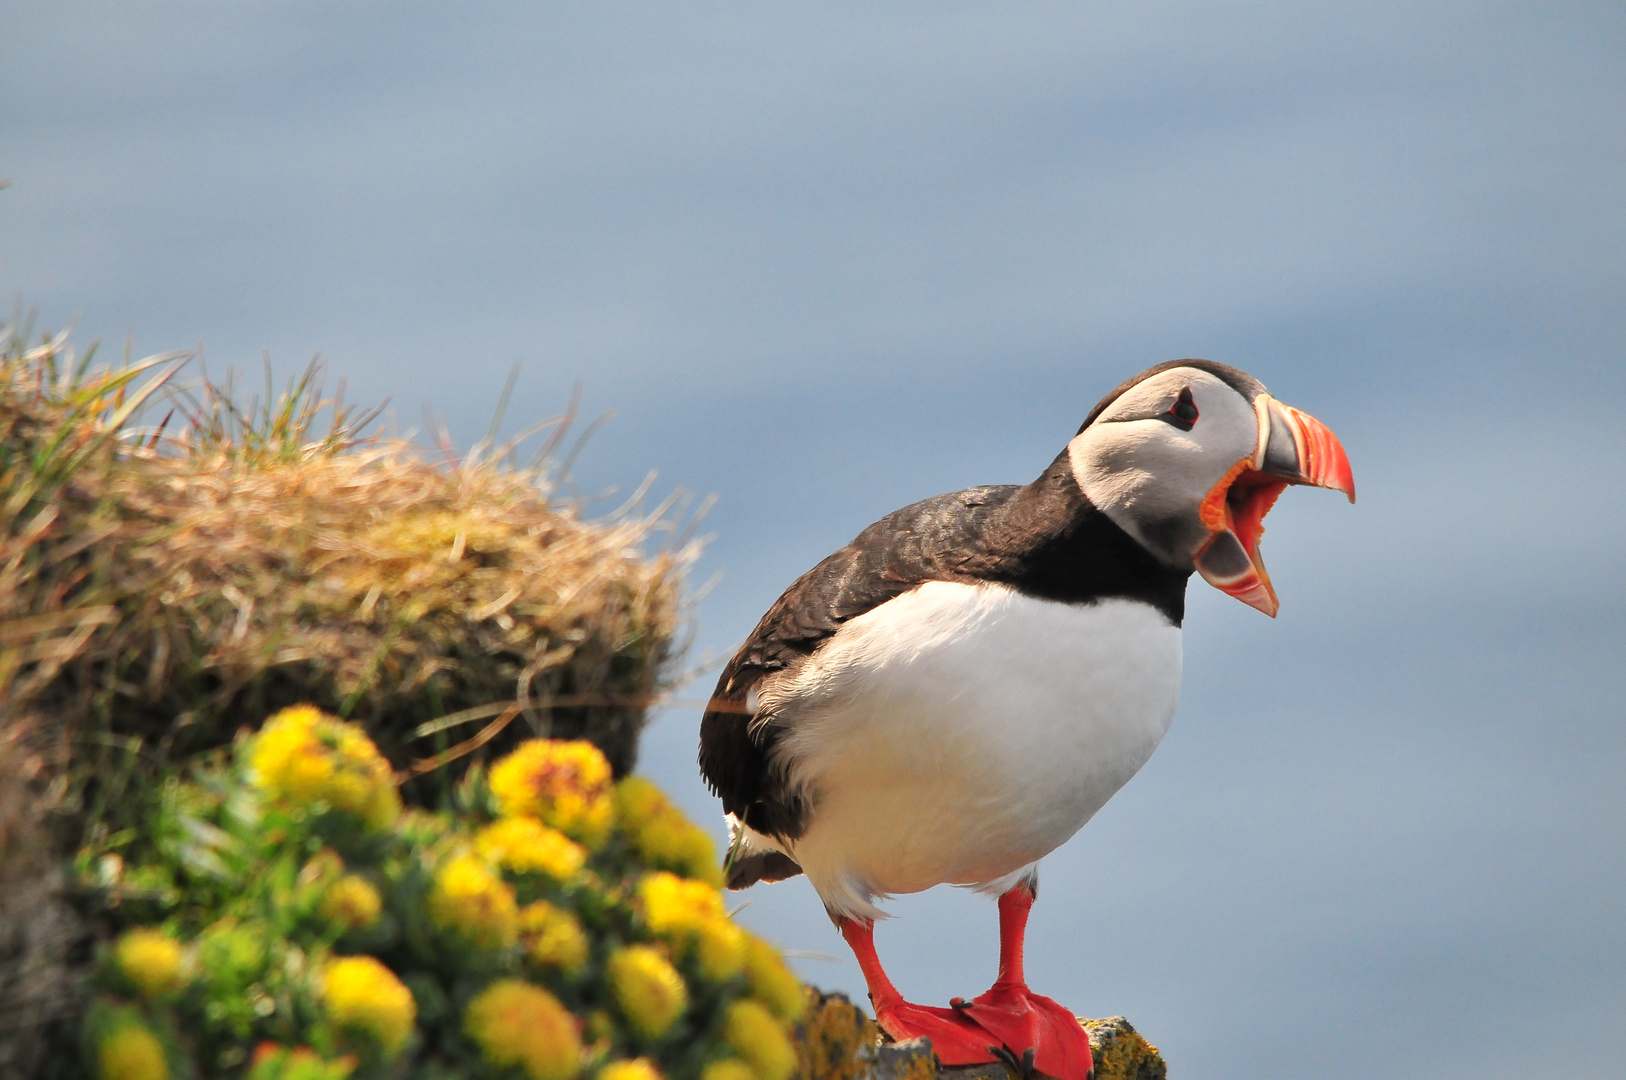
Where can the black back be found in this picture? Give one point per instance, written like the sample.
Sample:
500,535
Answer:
1044,539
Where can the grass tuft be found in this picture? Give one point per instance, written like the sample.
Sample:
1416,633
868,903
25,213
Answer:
164,584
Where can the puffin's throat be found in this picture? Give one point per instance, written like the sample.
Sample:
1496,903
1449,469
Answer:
1234,514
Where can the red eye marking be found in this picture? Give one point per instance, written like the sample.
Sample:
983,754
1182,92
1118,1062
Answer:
1183,413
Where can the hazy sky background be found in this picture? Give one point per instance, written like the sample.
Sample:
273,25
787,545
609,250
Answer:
827,260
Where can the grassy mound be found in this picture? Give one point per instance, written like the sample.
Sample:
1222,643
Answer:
165,586
159,590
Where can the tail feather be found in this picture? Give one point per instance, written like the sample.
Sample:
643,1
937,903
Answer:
747,870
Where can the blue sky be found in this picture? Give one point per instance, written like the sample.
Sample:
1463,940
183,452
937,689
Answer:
824,261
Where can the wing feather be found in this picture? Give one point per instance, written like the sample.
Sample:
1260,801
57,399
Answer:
933,540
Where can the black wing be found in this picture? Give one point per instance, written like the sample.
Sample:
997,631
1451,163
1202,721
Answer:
938,539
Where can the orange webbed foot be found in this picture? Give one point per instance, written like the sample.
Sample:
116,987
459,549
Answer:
1010,1023
956,1039
1035,1033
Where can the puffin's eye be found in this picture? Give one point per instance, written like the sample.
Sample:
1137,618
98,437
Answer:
1183,413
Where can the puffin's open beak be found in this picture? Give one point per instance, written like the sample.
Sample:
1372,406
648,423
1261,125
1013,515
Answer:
1294,448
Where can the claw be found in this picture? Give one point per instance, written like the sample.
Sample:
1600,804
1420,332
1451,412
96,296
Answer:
1022,1067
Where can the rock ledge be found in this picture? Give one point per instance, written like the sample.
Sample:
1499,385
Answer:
837,1041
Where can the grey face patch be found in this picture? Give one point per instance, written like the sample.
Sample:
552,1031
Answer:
1172,538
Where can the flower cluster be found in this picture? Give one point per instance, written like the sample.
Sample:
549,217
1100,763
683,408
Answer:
690,916
757,1037
130,1051
563,784
727,1069
471,899
152,961
288,920
634,1069
526,846
660,833
363,995
352,902
773,983
302,756
649,990
553,938
516,1023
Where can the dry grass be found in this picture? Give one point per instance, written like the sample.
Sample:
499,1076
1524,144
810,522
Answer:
160,588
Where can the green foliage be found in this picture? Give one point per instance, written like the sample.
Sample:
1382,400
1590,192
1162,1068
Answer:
279,916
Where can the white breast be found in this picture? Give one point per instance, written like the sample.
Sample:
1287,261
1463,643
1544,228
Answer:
959,733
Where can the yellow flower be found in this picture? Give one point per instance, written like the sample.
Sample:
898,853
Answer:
727,1069
525,845
690,915
470,899
516,1023
674,906
719,949
553,937
772,983
648,988
287,758
301,756
565,783
352,902
364,995
660,833
636,1069
152,961
131,1052
757,1037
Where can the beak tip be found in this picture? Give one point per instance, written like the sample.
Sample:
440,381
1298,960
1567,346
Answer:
1322,459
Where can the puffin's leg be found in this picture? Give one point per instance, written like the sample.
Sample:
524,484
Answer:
955,1039
1014,907
1020,1020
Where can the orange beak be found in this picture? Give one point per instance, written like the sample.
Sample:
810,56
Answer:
1294,448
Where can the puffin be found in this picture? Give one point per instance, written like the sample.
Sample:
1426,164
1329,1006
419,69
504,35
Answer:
952,695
